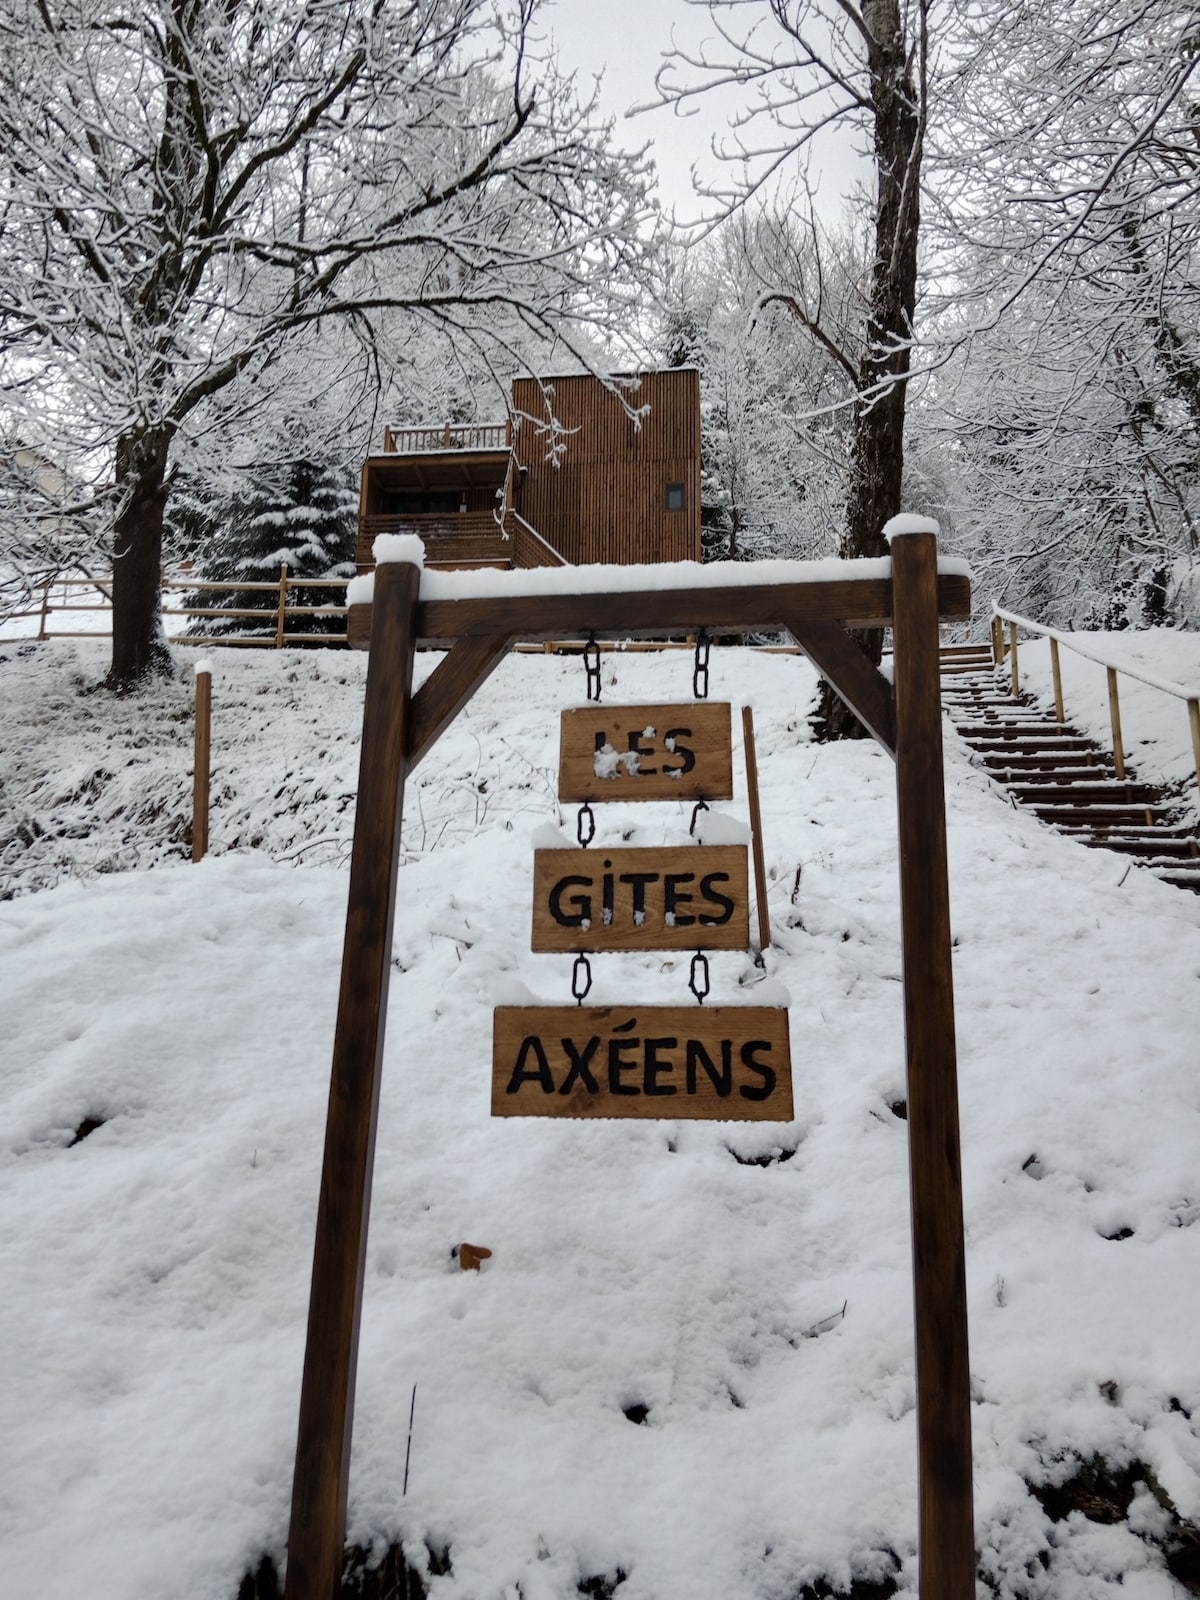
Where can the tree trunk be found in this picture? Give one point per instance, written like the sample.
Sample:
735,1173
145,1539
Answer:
877,451
139,644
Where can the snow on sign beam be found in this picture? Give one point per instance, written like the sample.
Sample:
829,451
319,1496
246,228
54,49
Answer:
686,897
719,1063
479,615
659,752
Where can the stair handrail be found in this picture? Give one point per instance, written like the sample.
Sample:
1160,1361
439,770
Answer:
1056,636
544,544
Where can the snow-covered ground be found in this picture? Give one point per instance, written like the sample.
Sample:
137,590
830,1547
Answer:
747,1284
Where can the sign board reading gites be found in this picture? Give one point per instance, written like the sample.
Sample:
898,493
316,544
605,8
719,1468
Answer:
719,1063
681,897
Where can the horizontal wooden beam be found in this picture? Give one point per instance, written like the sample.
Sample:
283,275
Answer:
644,613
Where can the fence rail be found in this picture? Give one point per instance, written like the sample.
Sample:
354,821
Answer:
1006,648
57,600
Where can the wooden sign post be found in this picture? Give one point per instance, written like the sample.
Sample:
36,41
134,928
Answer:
398,730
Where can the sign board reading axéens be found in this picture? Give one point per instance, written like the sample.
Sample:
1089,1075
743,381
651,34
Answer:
720,1063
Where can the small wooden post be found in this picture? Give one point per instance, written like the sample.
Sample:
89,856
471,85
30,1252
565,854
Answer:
201,760
45,612
318,1525
760,868
1015,677
946,1549
1056,668
997,642
281,616
1114,717
1194,719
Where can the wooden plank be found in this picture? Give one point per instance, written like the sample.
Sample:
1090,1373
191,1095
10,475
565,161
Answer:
760,866
854,678
946,1548
201,765
741,608
686,897
318,1518
650,752
717,1063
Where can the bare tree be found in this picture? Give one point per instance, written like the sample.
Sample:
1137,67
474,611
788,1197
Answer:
812,66
190,190
1066,215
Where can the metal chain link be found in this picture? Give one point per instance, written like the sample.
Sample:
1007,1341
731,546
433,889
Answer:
701,805
585,826
591,665
581,979
698,980
700,670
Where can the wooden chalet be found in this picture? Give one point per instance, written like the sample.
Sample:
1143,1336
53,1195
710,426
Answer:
602,487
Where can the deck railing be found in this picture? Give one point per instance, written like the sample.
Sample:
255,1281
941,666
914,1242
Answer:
451,538
1006,648
448,436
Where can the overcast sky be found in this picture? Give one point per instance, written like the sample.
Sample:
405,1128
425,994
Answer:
626,40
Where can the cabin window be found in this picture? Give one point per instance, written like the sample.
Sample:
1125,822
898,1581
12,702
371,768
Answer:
676,499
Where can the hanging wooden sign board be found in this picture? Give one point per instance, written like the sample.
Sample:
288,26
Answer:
658,752
717,1063
687,897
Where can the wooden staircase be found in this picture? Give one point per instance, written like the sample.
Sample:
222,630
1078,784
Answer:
1061,775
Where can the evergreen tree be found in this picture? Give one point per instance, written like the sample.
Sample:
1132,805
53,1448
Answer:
299,514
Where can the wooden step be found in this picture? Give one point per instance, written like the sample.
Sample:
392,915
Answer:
1181,880
1152,852
1064,778
1120,820
1134,796
995,735
1035,763
1012,732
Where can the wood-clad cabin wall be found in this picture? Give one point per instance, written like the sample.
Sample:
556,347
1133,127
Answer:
606,500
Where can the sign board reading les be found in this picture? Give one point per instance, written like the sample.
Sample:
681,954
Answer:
661,752
688,897
719,1063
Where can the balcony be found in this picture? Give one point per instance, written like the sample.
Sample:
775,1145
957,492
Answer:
448,436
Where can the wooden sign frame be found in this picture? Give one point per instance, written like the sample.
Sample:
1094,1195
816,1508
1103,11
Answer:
399,728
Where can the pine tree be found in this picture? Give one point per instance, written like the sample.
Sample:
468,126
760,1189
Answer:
297,514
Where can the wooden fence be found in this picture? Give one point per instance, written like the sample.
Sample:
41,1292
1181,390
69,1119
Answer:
267,625
1005,626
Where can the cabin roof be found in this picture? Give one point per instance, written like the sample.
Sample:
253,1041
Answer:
438,469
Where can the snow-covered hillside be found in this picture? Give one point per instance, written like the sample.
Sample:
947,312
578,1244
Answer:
686,1369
